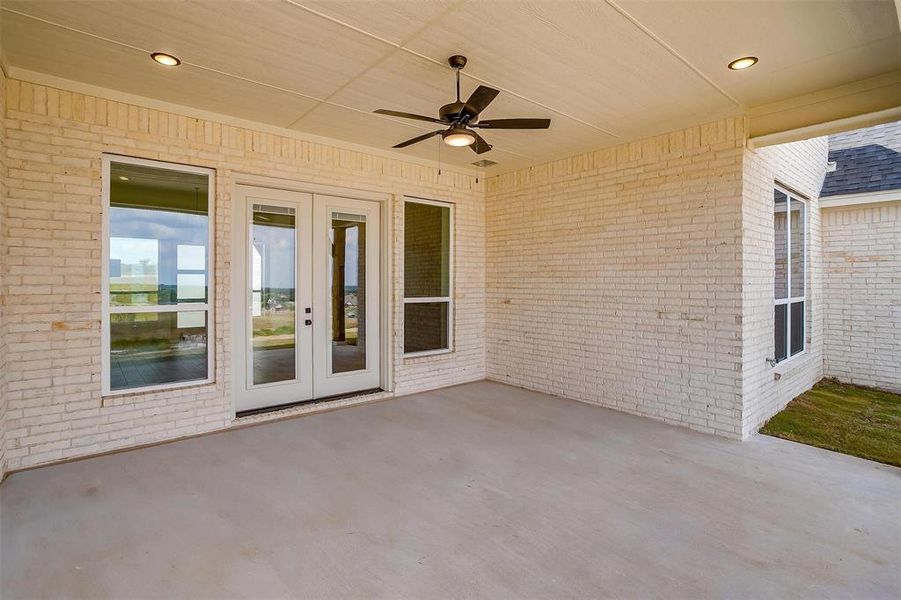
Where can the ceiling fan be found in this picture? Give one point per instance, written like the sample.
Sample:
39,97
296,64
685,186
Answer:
461,117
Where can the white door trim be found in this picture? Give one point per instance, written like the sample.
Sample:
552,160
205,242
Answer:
388,202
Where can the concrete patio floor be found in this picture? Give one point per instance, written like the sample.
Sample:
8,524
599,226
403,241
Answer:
481,490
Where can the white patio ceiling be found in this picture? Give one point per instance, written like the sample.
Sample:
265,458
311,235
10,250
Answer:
604,72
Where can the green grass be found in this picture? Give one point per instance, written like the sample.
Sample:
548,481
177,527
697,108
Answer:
850,419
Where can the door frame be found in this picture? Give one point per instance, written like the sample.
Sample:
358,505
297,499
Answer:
386,202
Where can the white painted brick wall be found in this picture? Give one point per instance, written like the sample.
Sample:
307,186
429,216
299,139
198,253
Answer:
54,143
3,366
614,277
862,290
637,277
800,166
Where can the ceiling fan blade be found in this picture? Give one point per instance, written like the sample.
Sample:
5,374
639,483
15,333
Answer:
481,98
403,115
418,138
513,124
480,146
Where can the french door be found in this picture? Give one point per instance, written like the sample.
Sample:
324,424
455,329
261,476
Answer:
308,271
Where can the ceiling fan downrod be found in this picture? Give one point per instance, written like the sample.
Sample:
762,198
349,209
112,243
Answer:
457,62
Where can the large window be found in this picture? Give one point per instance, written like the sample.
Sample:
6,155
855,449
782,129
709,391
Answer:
157,288
789,223
428,277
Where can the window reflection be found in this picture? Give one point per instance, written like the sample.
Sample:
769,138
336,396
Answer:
158,230
156,348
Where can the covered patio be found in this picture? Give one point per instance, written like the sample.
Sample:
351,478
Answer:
556,262
479,490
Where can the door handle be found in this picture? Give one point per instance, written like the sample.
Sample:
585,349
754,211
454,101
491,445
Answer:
308,322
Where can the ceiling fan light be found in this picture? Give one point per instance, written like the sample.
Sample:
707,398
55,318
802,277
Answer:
459,137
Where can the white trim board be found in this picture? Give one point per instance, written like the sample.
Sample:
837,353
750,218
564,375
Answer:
824,129
865,198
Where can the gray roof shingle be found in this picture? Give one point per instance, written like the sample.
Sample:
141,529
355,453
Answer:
867,160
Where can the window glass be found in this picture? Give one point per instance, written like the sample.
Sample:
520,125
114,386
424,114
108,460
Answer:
134,271
158,226
428,304
780,230
797,327
148,349
191,258
425,326
797,245
789,274
158,249
426,250
191,287
781,332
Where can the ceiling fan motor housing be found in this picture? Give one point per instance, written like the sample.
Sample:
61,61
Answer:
456,112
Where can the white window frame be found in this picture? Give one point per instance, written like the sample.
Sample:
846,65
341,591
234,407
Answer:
789,299
450,297
107,310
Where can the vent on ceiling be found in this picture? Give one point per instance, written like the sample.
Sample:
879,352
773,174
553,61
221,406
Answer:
484,163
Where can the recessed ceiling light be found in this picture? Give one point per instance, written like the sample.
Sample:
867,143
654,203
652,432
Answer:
743,63
165,59
123,178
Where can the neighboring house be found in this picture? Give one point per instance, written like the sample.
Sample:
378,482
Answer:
861,212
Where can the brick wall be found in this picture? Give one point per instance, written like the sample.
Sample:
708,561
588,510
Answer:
614,277
637,277
800,166
53,213
2,273
862,291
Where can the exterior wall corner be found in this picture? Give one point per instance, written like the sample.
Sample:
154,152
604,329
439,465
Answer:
801,167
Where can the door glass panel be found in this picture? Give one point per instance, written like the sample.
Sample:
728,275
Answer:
273,286
347,280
